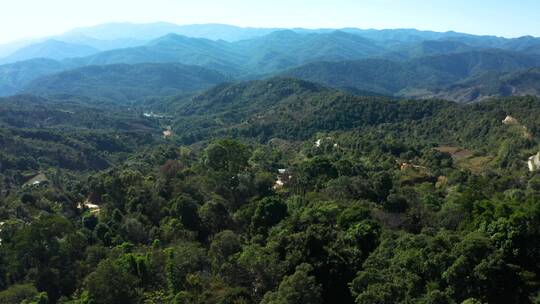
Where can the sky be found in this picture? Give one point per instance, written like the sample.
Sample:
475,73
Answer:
22,19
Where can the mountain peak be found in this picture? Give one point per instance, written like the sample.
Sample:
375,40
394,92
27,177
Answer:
174,39
284,34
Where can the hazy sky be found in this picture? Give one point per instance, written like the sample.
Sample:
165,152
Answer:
34,18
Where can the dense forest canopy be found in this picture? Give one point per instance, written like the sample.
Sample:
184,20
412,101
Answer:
275,191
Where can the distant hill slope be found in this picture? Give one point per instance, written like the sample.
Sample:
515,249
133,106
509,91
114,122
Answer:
123,83
378,75
489,85
522,44
68,135
427,48
285,108
14,76
270,53
172,49
285,49
27,111
398,78
415,36
50,49
297,110
248,96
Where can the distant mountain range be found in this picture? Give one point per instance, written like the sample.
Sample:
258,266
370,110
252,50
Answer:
150,31
402,62
121,35
50,49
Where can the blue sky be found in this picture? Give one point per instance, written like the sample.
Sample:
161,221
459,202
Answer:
510,18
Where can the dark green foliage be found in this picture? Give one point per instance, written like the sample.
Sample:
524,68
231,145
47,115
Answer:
295,289
17,294
269,211
288,108
277,191
185,208
490,84
111,283
182,261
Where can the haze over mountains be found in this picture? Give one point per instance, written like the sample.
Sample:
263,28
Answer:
401,62
52,49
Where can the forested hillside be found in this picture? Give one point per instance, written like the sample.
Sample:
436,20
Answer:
486,85
67,137
273,191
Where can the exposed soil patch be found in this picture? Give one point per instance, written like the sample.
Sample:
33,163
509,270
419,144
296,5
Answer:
455,152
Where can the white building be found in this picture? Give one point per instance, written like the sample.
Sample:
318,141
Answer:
534,162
